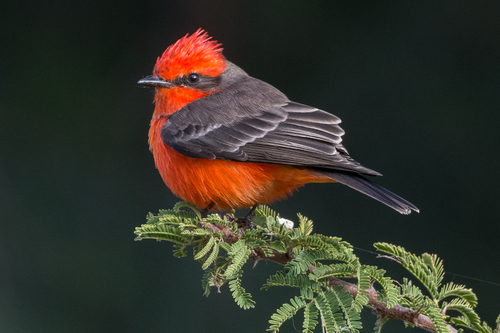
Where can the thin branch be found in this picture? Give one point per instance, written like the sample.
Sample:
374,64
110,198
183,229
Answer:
380,309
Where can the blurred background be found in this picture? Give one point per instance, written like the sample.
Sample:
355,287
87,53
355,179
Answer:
416,83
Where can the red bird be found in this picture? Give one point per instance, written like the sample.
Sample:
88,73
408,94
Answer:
222,139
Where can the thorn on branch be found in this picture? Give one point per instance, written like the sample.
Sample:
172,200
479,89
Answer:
257,259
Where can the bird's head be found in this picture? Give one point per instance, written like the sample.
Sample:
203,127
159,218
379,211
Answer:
192,62
191,68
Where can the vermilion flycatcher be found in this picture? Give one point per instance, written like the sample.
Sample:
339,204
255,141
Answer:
222,139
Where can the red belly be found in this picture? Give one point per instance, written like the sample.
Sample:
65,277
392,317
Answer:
226,184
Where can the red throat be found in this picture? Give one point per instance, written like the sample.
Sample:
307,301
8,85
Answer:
170,100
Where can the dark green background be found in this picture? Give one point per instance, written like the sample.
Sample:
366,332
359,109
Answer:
417,84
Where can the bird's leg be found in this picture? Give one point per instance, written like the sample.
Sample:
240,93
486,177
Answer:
248,218
204,211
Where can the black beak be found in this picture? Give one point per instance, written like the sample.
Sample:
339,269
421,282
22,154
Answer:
154,81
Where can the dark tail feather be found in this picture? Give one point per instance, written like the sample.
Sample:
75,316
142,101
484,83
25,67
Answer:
377,192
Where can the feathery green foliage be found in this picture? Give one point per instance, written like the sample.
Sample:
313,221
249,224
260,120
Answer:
242,298
311,264
310,317
389,292
428,269
285,312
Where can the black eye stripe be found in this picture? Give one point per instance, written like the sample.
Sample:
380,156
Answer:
200,82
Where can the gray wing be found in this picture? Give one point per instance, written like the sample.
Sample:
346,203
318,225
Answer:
251,121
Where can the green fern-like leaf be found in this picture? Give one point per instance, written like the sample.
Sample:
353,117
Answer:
436,266
349,258
451,289
211,242
211,258
427,269
352,317
238,253
185,204
389,293
154,219
435,316
208,280
295,234
180,250
182,215
461,321
285,312
265,211
305,226
278,245
215,218
363,284
306,293
411,295
423,273
225,246
181,219
337,270
241,297
310,318
333,245
198,232
300,263
295,281
396,251
332,321
161,232
464,322
466,310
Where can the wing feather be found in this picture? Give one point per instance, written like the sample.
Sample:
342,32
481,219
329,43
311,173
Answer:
251,121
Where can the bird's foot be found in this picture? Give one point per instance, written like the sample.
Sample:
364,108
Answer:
247,220
204,211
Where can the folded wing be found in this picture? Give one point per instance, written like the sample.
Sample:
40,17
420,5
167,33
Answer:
251,121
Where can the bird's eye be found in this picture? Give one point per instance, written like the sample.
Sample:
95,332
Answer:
193,77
